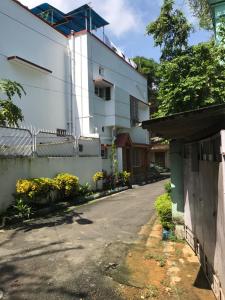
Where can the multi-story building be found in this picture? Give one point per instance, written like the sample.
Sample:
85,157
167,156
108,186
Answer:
217,8
75,78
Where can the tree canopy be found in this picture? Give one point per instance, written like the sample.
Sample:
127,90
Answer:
10,114
149,68
201,10
170,31
190,76
192,80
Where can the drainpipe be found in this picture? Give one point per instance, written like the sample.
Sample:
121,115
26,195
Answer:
72,66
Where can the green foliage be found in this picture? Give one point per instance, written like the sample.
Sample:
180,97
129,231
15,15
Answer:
201,10
167,187
22,209
163,206
10,114
35,189
67,184
85,189
170,31
124,177
192,80
114,161
149,68
98,176
161,259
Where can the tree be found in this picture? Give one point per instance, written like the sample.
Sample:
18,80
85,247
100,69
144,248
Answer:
190,76
192,80
148,67
201,10
170,31
10,114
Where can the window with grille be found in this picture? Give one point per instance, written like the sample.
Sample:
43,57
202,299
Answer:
103,92
210,149
104,152
134,119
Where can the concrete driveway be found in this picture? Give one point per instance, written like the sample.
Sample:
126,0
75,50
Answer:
64,256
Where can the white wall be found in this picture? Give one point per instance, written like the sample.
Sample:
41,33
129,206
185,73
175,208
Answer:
25,35
126,80
13,169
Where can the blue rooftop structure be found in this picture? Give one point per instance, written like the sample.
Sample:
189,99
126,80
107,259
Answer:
82,18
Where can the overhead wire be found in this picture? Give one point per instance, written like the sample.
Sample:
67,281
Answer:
78,53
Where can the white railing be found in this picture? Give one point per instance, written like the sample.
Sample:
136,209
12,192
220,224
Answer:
19,142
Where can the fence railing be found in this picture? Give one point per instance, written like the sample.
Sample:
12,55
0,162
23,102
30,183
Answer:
19,142
15,142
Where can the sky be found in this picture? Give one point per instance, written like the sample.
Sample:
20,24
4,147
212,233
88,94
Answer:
128,20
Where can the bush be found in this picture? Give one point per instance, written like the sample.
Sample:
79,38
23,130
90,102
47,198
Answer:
167,187
22,209
109,182
85,189
67,184
98,176
163,206
124,177
35,189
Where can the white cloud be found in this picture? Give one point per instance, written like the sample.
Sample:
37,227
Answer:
119,13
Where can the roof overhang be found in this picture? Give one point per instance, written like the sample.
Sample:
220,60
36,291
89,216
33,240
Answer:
28,63
101,82
190,125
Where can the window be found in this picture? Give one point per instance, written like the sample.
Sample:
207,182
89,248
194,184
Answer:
133,111
104,152
101,71
103,92
81,148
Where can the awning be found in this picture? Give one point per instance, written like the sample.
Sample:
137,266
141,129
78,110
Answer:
28,63
100,82
190,125
123,140
82,18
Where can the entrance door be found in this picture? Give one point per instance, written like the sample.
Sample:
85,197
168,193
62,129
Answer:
127,159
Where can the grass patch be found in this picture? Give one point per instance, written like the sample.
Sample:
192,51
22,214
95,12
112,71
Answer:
152,291
161,259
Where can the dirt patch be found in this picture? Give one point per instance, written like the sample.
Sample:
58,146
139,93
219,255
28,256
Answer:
162,270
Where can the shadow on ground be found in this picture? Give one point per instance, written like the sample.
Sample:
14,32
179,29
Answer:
54,219
201,281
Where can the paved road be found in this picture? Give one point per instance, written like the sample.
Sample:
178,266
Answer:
63,257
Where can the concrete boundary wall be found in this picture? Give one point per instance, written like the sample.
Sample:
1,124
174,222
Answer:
12,169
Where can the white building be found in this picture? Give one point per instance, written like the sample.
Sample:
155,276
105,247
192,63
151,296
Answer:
74,80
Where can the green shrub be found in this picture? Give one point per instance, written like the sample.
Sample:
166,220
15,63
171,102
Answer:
22,209
124,177
35,189
163,206
85,189
98,176
67,184
167,187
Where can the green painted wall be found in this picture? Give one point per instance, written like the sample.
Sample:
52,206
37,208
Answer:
218,11
177,180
